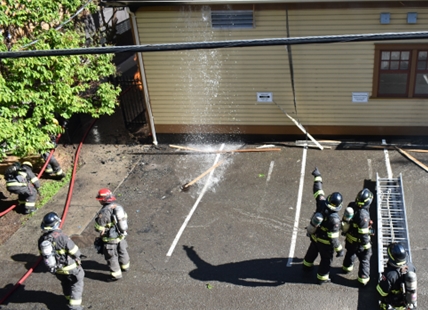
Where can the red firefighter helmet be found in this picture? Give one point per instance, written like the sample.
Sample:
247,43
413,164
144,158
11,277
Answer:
105,195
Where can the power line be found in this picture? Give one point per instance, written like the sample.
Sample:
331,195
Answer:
219,44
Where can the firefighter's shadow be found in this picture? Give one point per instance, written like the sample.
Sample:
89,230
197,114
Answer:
7,204
30,262
91,266
22,296
253,273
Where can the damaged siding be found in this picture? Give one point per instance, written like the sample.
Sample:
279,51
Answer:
215,87
219,86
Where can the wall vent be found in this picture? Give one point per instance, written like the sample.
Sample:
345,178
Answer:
232,19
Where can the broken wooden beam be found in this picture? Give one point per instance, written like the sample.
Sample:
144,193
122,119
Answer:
219,152
417,162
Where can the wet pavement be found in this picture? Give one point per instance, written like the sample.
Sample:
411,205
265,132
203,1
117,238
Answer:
234,240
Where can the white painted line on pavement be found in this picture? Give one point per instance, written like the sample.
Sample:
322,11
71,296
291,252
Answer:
388,164
189,216
369,163
270,170
298,205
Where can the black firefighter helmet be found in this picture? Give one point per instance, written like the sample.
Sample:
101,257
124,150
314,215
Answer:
364,198
334,201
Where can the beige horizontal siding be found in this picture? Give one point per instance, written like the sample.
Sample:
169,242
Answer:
219,86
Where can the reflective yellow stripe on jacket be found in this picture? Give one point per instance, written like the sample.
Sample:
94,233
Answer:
317,193
118,239
101,228
15,184
66,269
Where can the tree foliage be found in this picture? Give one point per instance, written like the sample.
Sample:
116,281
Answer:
34,91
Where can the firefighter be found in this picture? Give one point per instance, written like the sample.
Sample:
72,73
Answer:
63,258
358,236
324,230
53,169
27,170
397,284
17,183
111,223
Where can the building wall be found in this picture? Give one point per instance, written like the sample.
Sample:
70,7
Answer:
215,90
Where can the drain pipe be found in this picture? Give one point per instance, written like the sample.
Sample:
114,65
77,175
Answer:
143,76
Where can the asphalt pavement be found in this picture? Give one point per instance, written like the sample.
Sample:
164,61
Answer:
234,240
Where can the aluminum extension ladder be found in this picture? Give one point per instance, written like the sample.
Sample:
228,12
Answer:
391,217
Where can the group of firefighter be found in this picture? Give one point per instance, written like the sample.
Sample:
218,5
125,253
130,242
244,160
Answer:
21,180
397,285
61,255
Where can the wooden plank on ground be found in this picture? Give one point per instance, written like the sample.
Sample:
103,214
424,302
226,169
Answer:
220,152
417,162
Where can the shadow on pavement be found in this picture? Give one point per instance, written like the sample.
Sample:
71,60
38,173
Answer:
90,265
30,260
22,296
255,272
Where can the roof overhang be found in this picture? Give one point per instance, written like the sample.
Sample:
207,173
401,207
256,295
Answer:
126,3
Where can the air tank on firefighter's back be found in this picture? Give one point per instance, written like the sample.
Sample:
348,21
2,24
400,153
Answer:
121,218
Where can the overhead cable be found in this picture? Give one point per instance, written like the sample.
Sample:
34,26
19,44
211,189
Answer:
218,44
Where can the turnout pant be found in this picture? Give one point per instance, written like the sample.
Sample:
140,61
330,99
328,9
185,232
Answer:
356,251
117,258
326,252
27,196
53,167
72,287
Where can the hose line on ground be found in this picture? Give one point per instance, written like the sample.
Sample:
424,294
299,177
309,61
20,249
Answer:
69,194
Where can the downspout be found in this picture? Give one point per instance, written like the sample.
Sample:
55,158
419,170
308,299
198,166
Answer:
143,77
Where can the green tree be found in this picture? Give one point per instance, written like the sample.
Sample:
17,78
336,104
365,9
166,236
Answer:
35,90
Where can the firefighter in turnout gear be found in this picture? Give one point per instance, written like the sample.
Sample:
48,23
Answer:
398,283
27,170
17,182
63,258
358,236
53,169
111,223
324,230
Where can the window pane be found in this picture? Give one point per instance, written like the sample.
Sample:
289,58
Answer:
422,65
421,87
405,55
422,55
384,65
385,55
394,65
404,65
395,55
392,84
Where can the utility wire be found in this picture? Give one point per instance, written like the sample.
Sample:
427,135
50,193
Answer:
220,44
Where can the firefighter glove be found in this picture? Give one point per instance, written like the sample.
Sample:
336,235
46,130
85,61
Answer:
316,172
98,245
339,253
